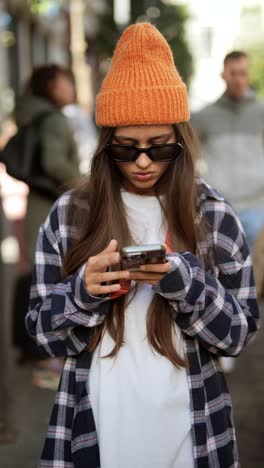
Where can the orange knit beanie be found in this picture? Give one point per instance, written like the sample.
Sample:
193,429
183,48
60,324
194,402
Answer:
142,85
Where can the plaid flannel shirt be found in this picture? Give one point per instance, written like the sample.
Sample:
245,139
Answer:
215,307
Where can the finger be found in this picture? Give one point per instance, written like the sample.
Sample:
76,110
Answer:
110,276
99,289
101,262
137,275
158,267
112,246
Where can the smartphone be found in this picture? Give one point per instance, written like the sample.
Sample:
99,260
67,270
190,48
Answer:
134,256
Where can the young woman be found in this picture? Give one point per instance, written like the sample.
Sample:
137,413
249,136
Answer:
142,386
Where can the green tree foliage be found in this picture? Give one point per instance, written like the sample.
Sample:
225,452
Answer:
256,55
107,34
170,20
41,7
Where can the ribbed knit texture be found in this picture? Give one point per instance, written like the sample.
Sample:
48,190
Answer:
143,85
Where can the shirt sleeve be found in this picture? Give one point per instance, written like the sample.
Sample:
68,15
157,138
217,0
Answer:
61,314
218,307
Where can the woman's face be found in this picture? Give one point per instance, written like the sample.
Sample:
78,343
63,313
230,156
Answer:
142,175
61,91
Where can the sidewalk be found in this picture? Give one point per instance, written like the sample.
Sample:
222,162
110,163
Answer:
31,412
246,385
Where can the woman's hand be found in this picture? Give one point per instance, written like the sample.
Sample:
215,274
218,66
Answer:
151,274
96,271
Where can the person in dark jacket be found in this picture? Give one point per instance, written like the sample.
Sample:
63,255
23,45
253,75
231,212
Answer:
48,90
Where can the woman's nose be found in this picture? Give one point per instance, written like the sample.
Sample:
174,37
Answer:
143,160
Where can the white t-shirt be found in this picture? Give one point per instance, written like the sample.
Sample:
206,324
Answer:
140,400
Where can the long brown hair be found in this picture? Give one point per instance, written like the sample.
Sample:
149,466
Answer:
98,212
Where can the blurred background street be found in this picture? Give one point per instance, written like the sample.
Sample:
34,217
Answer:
79,36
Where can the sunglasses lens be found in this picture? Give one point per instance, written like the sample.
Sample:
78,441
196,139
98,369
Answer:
125,153
165,152
122,154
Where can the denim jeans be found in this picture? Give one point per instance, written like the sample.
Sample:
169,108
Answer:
252,221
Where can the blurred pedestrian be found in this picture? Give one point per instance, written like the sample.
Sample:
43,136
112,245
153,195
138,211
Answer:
231,135
49,89
142,386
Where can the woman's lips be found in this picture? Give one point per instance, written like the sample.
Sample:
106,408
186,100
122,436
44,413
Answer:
143,175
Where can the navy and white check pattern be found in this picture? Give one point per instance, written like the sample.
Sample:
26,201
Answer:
214,305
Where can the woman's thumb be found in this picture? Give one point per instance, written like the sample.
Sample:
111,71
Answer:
112,246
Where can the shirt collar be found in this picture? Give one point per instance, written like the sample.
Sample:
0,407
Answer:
206,192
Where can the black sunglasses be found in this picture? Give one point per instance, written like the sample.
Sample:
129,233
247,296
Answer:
157,153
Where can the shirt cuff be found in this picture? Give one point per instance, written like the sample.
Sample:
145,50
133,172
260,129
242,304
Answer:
82,298
176,284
